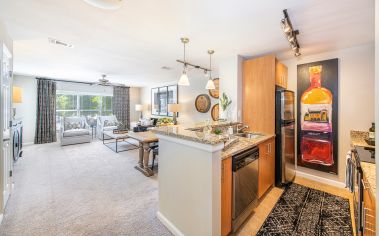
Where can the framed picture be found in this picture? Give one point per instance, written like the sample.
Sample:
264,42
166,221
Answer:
215,93
161,97
317,105
203,103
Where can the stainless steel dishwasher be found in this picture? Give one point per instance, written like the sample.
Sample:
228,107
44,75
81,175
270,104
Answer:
245,185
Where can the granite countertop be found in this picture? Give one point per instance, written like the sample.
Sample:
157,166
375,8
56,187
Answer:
358,139
243,144
146,136
369,170
181,132
213,124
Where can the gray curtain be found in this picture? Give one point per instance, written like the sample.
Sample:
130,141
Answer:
46,103
121,105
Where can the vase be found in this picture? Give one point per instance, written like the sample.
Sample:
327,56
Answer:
225,114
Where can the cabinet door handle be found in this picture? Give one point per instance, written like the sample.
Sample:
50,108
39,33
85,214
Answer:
269,148
363,216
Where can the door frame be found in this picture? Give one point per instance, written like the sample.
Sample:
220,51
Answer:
5,176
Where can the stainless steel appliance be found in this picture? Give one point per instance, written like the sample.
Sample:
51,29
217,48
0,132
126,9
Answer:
17,130
358,192
245,185
360,154
285,161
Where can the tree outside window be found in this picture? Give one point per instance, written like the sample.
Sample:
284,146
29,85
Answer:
88,105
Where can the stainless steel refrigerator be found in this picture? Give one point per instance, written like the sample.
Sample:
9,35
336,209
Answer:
285,161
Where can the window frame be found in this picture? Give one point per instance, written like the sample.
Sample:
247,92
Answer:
167,113
78,109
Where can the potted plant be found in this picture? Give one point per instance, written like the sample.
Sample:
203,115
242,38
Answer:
225,106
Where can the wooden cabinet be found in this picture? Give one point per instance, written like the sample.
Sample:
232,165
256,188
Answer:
258,103
266,169
368,209
226,196
281,74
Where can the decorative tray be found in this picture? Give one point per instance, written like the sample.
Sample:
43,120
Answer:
120,131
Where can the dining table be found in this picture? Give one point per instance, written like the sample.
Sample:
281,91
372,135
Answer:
145,139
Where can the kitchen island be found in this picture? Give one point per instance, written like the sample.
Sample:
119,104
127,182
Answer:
190,178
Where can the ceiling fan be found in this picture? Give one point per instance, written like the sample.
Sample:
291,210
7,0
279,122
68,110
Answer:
105,82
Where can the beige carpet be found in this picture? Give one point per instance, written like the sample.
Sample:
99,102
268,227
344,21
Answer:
84,189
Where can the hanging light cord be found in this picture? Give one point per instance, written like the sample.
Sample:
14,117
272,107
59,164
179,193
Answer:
210,66
184,55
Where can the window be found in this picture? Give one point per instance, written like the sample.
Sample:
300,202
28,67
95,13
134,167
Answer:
161,97
78,104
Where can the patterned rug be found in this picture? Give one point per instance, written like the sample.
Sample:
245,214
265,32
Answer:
305,211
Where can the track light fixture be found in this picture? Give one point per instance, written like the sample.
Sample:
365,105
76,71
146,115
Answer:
184,81
290,33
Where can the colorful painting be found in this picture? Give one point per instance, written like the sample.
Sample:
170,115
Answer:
317,127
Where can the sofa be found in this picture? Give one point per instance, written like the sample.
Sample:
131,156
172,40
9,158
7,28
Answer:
105,123
74,130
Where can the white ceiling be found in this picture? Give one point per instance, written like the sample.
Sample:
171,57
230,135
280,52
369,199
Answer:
133,43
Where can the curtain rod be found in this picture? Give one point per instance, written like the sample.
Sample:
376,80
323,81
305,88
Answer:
78,82
69,81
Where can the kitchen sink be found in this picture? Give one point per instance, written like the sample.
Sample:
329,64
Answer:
249,135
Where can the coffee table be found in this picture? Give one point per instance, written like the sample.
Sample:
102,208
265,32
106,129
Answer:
120,139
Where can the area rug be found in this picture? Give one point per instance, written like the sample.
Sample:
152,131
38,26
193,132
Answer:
305,211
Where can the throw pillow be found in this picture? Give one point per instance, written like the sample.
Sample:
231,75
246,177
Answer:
110,123
72,125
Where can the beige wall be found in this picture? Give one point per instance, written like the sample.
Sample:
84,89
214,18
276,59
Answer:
355,96
187,95
230,71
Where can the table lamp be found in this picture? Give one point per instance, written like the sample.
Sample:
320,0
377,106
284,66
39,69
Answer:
16,98
174,108
139,107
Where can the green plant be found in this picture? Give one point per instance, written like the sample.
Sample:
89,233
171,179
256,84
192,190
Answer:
225,101
218,131
164,120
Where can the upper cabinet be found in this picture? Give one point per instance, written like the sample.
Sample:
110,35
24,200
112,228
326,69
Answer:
281,74
258,98
260,75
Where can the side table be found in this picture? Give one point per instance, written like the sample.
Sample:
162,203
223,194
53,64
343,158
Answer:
94,130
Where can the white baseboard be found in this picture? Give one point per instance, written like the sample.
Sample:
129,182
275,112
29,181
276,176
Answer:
320,179
170,226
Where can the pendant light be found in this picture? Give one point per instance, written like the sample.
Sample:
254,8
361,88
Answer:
210,83
183,81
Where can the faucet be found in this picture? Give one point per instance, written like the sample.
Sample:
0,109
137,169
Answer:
240,130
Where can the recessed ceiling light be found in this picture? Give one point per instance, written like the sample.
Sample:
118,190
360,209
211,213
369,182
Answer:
61,43
105,4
